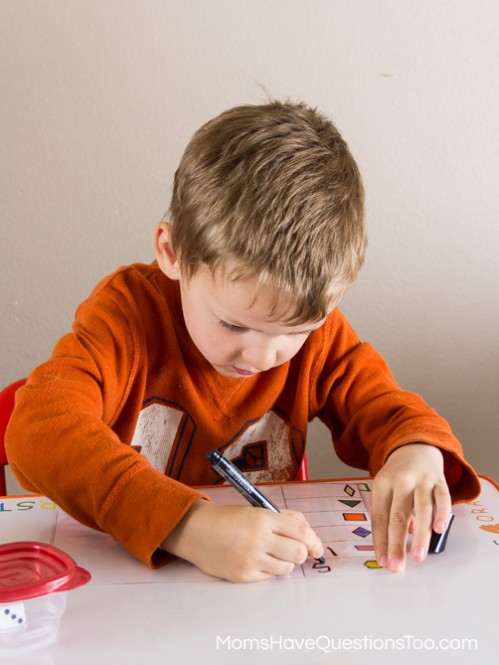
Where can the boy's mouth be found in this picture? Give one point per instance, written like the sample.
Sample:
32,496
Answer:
242,372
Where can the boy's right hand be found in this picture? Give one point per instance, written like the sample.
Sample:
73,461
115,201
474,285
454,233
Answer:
242,543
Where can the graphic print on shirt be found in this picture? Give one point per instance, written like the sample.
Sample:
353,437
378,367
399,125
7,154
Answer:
266,449
160,425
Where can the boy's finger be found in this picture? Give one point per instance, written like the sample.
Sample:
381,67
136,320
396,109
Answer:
443,507
423,518
380,512
295,526
400,515
287,550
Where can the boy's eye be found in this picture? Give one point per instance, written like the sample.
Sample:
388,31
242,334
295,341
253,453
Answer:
232,327
241,329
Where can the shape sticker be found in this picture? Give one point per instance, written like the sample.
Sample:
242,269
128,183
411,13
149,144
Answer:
372,565
351,503
355,517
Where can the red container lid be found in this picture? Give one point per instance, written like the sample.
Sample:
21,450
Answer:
30,569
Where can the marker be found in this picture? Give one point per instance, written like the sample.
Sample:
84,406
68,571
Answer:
438,540
232,475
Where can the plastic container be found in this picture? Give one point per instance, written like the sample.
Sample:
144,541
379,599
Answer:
34,581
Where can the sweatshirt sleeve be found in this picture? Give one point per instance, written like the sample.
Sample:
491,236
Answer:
62,440
370,416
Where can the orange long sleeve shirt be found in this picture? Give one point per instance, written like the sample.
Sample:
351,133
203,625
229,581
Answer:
115,426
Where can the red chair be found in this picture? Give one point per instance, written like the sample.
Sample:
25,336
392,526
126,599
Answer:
6,407
303,472
7,400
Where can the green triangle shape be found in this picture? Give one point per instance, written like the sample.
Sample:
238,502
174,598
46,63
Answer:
351,503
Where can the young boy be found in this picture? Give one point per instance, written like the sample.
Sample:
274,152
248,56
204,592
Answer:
232,339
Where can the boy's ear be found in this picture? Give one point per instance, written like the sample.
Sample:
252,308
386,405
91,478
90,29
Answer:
165,256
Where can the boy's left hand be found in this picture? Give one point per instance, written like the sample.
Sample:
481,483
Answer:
410,486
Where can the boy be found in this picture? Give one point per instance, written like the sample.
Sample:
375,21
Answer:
232,339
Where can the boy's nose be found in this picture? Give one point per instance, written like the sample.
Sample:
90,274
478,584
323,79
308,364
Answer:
261,357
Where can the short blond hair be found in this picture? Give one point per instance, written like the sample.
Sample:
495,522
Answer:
275,189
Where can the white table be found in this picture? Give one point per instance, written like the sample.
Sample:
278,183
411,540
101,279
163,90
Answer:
179,615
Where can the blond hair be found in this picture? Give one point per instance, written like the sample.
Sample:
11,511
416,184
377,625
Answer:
275,189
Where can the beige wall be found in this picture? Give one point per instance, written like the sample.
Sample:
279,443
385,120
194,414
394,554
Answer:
100,96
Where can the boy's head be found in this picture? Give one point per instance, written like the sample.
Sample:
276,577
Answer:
272,191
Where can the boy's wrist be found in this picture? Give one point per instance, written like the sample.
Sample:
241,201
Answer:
180,541
411,445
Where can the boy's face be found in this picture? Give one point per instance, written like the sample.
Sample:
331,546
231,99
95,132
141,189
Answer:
229,323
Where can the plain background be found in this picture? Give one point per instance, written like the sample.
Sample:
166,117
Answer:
99,97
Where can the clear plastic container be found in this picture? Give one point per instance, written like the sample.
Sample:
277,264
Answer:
34,581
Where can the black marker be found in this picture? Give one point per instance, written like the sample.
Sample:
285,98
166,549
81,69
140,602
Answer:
438,540
232,475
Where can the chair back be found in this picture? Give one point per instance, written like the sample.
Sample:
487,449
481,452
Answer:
7,401
303,472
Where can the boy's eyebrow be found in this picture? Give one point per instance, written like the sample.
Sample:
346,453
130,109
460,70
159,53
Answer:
312,326
234,322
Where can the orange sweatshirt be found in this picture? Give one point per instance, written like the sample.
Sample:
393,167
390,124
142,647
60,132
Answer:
115,426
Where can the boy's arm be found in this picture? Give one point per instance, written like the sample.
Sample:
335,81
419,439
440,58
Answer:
377,425
60,442
370,416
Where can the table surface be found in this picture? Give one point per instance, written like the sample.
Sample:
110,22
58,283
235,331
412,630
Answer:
130,614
